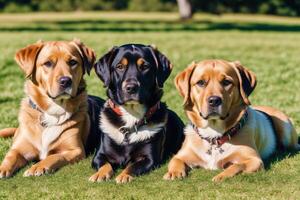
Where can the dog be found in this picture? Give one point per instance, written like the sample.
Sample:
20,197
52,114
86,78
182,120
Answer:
137,130
225,132
53,119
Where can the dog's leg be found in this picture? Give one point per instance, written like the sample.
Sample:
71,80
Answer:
104,173
105,170
140,166
176,169
178,165
248,165
12,161
7,132
55,161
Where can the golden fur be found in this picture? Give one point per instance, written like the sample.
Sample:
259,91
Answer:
243,153
54,132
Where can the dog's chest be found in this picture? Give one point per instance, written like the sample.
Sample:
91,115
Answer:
49,135
212,155
52,121
139,134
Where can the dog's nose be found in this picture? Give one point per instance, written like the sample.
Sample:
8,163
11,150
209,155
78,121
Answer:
131,88
65,82
214,101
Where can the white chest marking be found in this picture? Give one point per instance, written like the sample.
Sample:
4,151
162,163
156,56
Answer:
210,160
145,132
52,119
49,135
55,115
132,113
216,154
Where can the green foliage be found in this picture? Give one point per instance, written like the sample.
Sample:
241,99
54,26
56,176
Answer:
151,5
276,7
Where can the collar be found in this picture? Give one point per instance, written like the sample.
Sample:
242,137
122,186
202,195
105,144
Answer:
141,122
147,115
228,134
34,106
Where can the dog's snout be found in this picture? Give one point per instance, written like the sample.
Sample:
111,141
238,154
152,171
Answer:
131,88
214,101
65,82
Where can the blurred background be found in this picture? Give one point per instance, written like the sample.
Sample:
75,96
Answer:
186,7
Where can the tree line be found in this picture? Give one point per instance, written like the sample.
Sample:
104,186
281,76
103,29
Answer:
275,7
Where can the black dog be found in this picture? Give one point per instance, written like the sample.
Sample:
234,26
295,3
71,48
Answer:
138,132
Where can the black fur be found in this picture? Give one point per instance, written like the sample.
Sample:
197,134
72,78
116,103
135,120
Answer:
148,154
95,104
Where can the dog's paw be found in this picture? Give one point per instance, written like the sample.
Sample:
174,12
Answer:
219,178
5,172
37,170
124,178
172,175
99,177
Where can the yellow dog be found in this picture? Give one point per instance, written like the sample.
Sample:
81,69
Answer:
53,118
225,132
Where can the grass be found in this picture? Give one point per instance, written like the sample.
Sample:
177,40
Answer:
267,45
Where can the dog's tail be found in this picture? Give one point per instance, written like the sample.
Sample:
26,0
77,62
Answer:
7,132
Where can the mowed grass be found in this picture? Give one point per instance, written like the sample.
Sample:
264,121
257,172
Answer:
269,46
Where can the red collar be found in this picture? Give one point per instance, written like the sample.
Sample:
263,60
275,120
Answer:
114,107
228,134
147,115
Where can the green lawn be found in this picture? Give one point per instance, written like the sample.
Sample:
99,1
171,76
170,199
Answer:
270,46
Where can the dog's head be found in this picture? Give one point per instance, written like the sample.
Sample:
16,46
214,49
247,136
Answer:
56,67
214,89
133,73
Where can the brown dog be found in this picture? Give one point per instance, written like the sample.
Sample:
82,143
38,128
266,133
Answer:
53,118
225,132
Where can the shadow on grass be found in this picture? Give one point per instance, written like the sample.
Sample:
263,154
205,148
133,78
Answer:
7,99
147,26
279,156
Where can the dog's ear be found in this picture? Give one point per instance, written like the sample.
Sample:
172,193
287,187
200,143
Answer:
87,54
247,81
26,57
164,66
102,66
182,83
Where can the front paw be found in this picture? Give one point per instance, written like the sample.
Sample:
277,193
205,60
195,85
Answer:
5,172
100,176
172,175
37,170
219,178
124,178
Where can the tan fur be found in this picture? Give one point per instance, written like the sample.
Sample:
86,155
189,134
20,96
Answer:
103,174
72,123
125,176
242,154
7,132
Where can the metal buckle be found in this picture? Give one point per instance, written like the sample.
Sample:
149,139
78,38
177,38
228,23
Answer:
124,130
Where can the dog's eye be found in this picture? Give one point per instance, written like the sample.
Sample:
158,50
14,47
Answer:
201,83
144,67
48,64
226,82
72,63
120,66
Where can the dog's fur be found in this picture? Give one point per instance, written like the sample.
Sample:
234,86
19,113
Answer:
144,69
265,128
53,121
